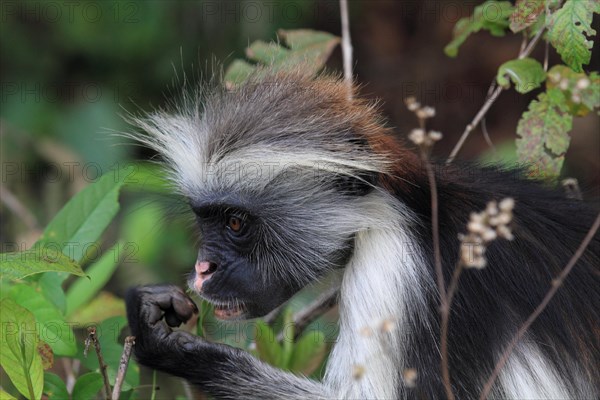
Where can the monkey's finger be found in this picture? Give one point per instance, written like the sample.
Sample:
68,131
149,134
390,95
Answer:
172,319
184,307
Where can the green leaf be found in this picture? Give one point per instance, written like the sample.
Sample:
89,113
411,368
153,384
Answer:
6,396
269,349
526,14
305,47
36,260
148,177
18,349
267,53
53,329
87,386
543,129
527,74
581,91
83,219
205,318
238,72
51,286
54,387
309,352
103,306
569,30
288,333
491,16
85,288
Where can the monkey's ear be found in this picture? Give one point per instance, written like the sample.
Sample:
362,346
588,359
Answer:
356,185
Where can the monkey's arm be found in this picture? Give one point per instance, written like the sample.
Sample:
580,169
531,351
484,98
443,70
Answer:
221,370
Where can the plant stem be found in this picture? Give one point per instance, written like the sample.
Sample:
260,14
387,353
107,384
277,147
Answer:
346,47
490,100
556,284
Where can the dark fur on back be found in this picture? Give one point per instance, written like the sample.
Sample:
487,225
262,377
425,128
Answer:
491,304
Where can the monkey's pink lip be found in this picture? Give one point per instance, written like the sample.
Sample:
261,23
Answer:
229,311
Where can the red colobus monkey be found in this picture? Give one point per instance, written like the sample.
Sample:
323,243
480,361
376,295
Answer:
290,179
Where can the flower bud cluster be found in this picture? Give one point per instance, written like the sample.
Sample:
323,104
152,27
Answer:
420,136
483,228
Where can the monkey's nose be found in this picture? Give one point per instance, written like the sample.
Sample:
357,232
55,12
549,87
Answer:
204,270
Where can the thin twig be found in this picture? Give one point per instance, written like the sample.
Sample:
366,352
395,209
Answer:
93,338
326,301
445,324
123,363
490,100
69,373
444,310
487,137
346,47
454,283
556,284
12,202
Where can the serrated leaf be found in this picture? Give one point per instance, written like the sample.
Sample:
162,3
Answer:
305,47
54,387
35,261
491,16
237,73
83,219
582,92
527,74
266,53
569,30
52,327
87,386
543,131
526,13
309,352
98,274
18,349
304,38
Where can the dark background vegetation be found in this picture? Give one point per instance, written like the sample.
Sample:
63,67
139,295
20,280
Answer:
70,70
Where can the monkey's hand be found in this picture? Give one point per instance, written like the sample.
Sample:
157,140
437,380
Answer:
221,370
152,312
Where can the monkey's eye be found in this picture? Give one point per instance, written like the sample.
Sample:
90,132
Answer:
234,223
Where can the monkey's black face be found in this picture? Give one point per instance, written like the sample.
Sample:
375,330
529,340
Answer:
246,268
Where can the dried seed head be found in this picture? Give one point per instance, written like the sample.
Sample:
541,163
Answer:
507,204
366,331
409,375
358,371
387,325
412,104
435,136
483,228
417,136
425,112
